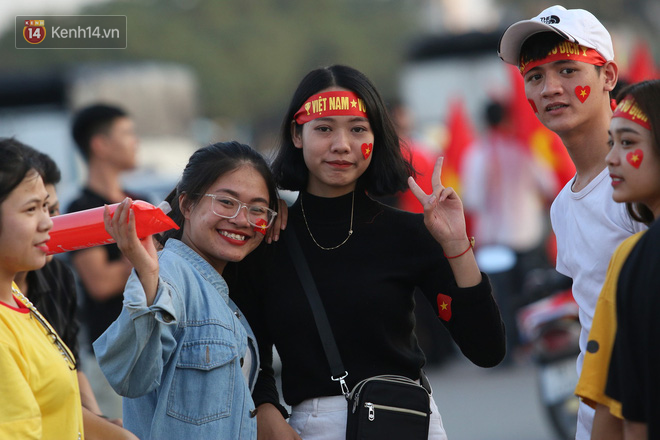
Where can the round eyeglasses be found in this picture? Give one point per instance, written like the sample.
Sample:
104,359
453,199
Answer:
229,207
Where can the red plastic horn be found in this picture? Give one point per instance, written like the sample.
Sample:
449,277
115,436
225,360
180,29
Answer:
85,229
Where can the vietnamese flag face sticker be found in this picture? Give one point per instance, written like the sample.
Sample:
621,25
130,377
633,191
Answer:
262,226
531,102
366,150
634,158
444,306
582,93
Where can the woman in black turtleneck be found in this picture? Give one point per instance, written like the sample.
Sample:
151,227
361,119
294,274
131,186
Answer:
338,146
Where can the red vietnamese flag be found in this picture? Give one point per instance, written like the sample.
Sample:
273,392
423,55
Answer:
444,306
543,143
261,226
423,163
461,135
641,66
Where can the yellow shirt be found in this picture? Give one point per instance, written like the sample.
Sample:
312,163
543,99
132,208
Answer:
38,387
591,386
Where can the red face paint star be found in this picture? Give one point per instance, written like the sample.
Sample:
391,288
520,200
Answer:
262,226
582,93
634,158
366,150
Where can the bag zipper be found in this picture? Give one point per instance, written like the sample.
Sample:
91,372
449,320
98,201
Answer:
385,377
373,406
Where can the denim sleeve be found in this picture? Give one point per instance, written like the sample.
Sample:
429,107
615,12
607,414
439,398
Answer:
134,349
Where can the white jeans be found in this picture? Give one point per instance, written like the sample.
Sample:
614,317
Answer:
324,418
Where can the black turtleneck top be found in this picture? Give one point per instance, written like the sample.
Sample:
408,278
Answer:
366,286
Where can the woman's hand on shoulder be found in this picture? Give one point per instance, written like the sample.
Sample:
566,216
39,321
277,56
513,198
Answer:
443,209
279,224
272,426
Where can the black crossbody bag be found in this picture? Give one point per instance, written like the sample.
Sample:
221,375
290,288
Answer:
379,407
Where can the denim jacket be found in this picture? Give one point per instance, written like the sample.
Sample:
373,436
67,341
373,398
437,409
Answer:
178,362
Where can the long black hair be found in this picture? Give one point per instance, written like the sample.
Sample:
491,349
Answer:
388,171
204,167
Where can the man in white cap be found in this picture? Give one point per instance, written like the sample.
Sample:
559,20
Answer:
566,59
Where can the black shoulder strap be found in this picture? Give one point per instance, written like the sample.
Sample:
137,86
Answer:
322,324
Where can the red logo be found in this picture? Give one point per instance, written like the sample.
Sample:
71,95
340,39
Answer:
34,31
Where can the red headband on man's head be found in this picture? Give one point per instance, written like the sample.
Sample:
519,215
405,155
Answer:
565,51
630,110
331,104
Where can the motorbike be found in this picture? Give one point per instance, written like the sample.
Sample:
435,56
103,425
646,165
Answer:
548,324
542,318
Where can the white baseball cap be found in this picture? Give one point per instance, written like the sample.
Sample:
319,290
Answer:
575,25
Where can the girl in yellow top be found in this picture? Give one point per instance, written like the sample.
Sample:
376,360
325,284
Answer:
634,165
38,382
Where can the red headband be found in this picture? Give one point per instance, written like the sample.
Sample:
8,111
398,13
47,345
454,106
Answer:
331,104
630,110
565,51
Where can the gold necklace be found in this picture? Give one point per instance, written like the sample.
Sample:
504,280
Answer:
50,332
350,228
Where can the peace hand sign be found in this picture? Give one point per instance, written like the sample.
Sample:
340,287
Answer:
443,211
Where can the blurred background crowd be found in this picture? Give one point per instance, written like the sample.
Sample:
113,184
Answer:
196,71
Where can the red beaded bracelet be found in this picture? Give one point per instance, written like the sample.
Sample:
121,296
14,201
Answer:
462,253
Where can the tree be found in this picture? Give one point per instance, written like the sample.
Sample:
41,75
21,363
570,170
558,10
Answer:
248,55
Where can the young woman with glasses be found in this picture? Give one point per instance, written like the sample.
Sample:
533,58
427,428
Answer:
39,386
181,352
338,147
